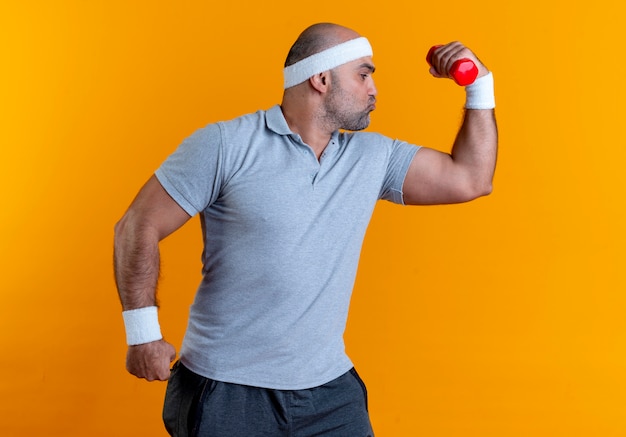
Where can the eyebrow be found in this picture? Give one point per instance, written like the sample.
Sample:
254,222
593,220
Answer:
370,67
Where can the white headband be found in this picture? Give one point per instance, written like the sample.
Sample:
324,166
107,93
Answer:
326,60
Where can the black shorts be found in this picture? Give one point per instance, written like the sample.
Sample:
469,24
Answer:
198,406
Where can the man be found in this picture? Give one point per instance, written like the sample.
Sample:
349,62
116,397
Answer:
284,199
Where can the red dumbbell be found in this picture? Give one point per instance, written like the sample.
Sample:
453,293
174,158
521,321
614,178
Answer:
463,71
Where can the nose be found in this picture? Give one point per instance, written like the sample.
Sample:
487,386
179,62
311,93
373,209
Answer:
372,91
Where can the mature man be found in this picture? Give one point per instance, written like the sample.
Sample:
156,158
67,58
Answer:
284,197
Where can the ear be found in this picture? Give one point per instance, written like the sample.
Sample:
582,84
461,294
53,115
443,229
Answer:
320,81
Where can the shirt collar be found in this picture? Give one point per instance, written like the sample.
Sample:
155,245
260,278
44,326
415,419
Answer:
276,122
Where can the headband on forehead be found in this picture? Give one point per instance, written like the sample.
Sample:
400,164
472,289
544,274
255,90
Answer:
326,60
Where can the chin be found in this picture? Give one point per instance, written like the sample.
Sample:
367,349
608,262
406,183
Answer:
358,124
364,124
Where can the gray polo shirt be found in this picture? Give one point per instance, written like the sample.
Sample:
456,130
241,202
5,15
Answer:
282,237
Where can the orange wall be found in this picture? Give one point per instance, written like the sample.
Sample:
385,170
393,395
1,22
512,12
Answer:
502,317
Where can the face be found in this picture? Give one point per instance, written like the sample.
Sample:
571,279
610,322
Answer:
352,95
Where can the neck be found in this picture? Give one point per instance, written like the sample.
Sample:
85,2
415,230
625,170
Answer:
303,120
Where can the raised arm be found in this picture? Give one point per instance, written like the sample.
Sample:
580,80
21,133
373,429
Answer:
467,171
151,217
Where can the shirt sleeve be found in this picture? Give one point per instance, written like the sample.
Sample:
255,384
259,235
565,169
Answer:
192,175
400,157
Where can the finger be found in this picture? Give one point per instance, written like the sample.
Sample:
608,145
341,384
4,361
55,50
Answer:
434,72
172,353
156,372
164,375
436,61
449,54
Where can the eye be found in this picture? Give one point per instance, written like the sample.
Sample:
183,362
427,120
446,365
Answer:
364,76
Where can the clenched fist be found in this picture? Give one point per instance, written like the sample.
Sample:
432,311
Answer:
150,361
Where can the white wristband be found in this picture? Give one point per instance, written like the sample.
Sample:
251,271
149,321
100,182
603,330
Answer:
142,325
480,94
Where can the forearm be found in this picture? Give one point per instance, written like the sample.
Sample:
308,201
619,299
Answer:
136,264
475,149
152,216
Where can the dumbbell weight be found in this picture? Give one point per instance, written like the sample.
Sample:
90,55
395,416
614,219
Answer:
463,71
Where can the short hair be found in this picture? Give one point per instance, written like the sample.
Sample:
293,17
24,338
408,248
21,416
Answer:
312,40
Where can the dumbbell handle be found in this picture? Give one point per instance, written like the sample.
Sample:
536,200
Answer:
463,71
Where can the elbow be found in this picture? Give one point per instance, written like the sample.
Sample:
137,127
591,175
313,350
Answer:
486,190
477,190
125,230
134,229
480,183
475,183
119,227
118,233
482,190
